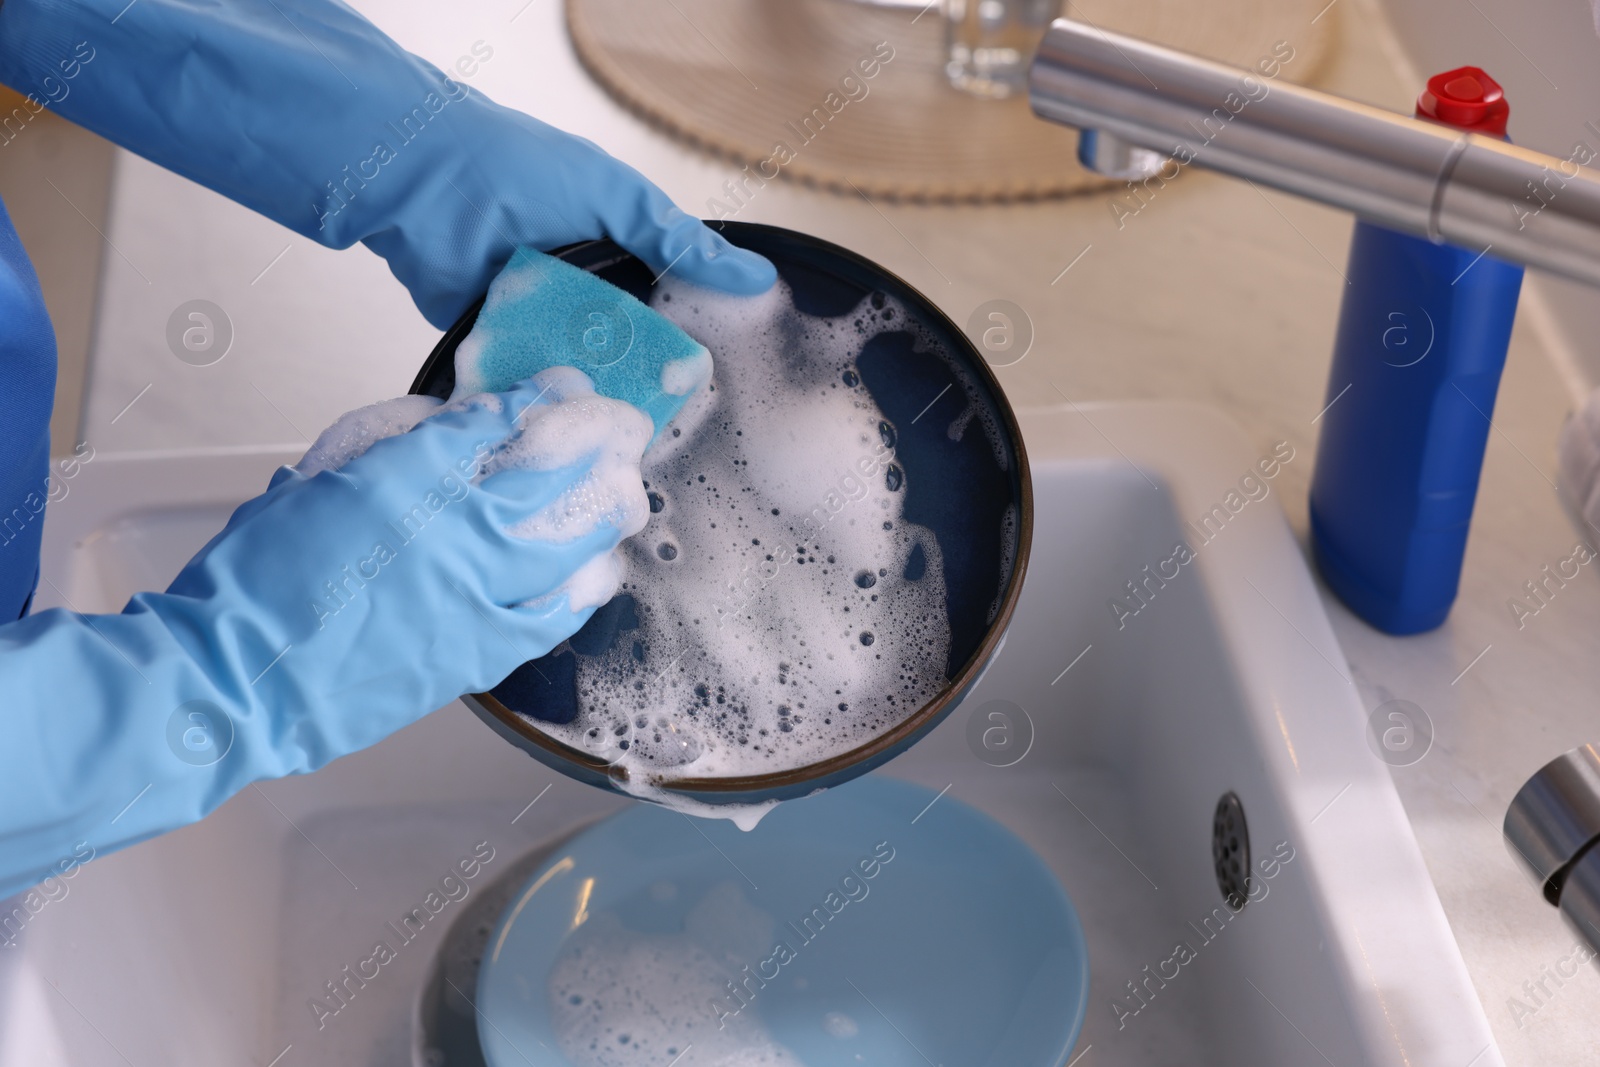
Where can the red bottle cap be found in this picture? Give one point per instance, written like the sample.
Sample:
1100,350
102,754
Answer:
1467,99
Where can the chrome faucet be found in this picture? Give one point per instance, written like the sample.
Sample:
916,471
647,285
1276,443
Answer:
1140,105
1553,830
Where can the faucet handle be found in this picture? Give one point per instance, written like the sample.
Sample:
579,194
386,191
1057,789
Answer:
1555,817
1553,826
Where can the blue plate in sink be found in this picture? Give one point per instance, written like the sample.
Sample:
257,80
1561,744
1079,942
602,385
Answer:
877,923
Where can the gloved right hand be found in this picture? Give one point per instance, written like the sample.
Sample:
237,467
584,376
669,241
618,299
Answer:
305,112
331,611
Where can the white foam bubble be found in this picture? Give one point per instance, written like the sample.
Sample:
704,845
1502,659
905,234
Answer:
745,816
469,360
581,426
356,431
777,624
620,998
573,426
679,377
591,585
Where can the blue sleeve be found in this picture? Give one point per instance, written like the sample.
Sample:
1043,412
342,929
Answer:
28,364
281,105
89,758
307,113
333,610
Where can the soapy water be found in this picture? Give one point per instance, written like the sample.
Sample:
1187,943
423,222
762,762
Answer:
785,611
621,998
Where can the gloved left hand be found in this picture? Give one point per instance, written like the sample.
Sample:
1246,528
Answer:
305,112
334,609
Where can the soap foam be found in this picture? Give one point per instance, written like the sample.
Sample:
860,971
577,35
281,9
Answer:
573,425
620,998
787,611
683,376
578,425
356,431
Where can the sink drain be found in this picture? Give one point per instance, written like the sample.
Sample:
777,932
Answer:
1230,851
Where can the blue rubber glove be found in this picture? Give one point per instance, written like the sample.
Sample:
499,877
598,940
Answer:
333,610
305,112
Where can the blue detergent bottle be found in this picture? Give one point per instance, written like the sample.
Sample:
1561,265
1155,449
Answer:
1421,342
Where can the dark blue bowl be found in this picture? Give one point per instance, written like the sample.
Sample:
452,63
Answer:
959,490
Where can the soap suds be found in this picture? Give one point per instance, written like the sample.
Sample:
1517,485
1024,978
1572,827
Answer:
745,816
620,998
590,586
579,425
356,431
787,612
575,425
683,376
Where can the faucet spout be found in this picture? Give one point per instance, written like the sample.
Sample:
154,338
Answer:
1130,96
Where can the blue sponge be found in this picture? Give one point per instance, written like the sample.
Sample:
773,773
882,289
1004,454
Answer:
542,312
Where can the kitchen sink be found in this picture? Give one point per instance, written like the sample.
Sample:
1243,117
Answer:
1169,686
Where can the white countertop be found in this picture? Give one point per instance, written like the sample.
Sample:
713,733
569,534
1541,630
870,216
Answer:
1215,291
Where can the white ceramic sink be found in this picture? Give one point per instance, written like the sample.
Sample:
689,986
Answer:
204,947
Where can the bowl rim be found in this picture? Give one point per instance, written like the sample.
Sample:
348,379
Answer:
878,796
736,789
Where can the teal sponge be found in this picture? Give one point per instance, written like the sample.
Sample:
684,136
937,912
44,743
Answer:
542,312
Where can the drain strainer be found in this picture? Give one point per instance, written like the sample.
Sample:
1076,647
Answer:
1230,851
